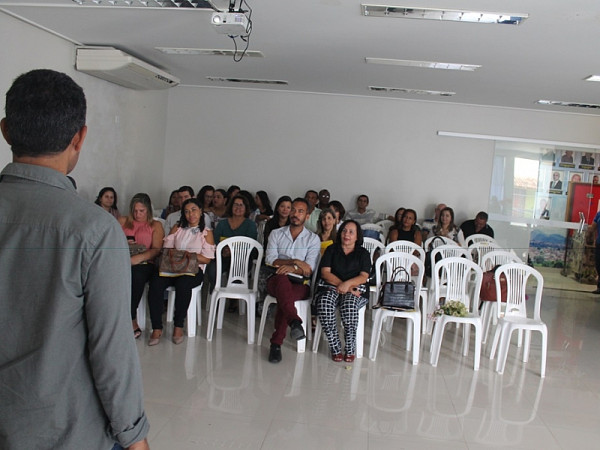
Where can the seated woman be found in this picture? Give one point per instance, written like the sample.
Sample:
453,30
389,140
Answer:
236,224
252,207
263,203
173,206
281,217
397,224
446,227
405,228
345,268
107,199
219,207
326,229
192,236
145,236
339,211
206,194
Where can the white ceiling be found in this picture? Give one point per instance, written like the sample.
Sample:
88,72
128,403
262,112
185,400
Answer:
321,45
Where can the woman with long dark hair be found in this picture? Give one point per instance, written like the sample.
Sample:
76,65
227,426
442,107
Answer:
406,228
192,236
107,199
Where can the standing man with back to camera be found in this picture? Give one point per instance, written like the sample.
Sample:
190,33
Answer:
69,370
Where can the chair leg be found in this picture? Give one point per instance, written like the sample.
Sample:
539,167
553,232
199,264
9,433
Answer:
212,315
191,316
503,350
317,336
376,332
466,338
170,303
409,333
495,342
527,345
544,332
478,339
416,340
425,309
360,333
436,341
251,318
263,319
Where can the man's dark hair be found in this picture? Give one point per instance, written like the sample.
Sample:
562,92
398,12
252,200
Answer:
44,110
482,215
186,189
361,196
301,200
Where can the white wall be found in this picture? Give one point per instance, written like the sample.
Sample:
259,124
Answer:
286,143
126,128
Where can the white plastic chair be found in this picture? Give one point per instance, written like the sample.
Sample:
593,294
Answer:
142,309
515,316
385,225
302,307
413,329
488,262
479,249
194,312
458,274
479,238
372,246
412,248
238,282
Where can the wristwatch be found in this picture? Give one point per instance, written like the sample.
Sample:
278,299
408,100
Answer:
295,266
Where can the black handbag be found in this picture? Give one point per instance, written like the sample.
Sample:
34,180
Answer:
398,295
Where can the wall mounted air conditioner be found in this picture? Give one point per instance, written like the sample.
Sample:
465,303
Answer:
118,67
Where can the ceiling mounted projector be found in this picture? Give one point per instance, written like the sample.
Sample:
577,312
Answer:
230,23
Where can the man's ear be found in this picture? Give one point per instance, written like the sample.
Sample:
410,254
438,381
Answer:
78,138
5,131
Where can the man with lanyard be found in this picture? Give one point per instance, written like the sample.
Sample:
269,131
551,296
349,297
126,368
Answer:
291,250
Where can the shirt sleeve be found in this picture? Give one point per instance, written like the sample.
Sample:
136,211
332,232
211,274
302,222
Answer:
272,247
327,257
112,352
365,261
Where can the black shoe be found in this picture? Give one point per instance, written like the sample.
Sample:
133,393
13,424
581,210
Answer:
597,291
296,330
275,353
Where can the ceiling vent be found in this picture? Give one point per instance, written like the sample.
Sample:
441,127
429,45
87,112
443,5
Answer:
120,68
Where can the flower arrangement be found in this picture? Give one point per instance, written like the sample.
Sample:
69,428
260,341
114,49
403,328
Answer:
451,308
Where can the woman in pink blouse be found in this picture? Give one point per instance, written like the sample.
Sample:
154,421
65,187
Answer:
192,236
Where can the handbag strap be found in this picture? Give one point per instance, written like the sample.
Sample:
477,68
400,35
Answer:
430,246
398,271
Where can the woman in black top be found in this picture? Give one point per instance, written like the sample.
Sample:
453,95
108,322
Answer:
344,270
407,230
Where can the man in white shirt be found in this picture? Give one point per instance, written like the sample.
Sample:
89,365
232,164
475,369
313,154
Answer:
292,250
361,214
313,213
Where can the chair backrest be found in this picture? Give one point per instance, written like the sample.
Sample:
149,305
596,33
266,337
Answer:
242,249
517,275
479,249
454,277
447,241
260,230
385,265
406,247
479,238
372,245
497,258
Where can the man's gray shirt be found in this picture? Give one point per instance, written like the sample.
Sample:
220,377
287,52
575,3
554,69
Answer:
69,369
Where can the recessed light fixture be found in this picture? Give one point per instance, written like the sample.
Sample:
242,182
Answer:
411,91
571,104
593,78
423,64
206,51
202,4
454,15
247,80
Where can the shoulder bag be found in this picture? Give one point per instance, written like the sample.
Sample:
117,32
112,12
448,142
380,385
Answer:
176,263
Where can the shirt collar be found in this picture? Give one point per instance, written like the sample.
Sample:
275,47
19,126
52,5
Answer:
38,174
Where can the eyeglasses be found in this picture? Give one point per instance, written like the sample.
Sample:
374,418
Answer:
238,205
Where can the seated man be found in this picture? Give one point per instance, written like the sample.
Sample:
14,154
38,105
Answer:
361,214
292,249
477,226
313,213
324,197
428,224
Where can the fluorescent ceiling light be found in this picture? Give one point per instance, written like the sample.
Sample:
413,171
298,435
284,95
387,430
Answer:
411,91
247,80
455,15
150,3
593,78
206,51
423,64
571,104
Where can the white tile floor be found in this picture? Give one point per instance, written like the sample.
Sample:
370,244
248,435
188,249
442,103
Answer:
225,394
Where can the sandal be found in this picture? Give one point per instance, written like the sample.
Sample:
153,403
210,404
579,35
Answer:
137,333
